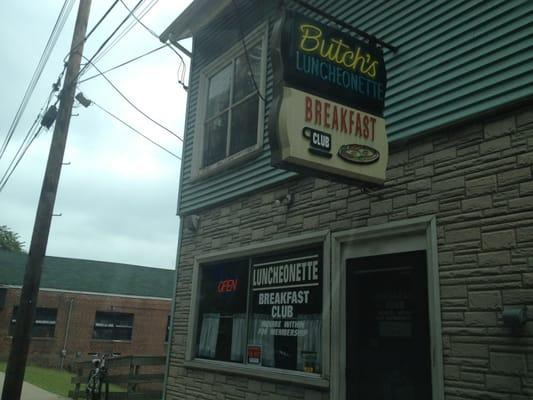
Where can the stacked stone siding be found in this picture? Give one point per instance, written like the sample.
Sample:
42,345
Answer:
477,180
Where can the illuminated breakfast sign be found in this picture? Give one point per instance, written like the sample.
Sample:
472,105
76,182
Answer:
329,92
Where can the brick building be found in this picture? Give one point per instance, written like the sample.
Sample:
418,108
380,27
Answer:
297,287
86,307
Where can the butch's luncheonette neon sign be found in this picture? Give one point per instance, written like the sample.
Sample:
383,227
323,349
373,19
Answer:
336,50
329,97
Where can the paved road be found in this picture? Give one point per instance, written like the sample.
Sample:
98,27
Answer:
31,392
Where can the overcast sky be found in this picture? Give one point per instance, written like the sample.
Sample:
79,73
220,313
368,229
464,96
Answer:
118,196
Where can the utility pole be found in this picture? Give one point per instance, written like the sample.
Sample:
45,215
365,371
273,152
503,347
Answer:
18,355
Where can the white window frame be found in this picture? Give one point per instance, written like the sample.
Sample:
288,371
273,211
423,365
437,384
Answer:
321,380
198,171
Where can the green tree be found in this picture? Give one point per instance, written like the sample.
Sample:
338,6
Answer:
10,240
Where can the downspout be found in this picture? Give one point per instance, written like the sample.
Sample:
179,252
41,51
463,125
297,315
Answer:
178,252
67,330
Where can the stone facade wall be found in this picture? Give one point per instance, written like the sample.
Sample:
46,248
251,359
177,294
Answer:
148,335
477,180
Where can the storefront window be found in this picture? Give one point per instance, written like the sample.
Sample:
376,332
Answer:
222,319
263,311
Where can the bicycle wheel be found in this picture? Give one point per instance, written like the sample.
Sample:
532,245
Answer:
94,387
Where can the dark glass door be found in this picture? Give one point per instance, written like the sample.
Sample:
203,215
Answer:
387,338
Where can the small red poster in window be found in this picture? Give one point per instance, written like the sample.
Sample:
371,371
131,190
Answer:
254,354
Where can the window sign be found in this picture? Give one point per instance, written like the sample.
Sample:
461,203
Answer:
329,94
286,310
254,354
263,311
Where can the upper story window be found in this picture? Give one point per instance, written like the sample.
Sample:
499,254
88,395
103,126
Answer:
230,112
44,324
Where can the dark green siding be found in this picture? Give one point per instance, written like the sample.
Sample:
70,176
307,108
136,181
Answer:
456,60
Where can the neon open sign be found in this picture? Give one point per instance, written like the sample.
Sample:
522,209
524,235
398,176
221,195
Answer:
227,286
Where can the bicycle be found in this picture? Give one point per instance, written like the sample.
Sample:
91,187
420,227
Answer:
97,377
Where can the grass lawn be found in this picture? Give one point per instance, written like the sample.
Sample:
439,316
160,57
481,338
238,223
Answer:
52,380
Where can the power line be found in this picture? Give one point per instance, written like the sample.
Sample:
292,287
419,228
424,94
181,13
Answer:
138,20
126,30
135,130
122,64
181,76
24,145
106,41
130,102
50,44
102,18
8,173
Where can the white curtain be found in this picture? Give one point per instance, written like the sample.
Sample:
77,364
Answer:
266,341
311,342
237,337
207,346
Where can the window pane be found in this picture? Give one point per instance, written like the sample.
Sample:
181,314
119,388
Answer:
103,333
44,324
122,334
222,319
124,320
112,326
244,125
286,312
215,140
218,95
243,83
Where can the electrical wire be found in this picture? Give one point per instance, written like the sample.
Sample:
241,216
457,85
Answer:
122,64
135,130
138,20
8,173
130,102
92,29
21,151
26,143
104,43
50,44
125,30
181,76
153,33
241,34
148,7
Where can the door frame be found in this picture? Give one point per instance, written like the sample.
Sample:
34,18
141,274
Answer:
395,237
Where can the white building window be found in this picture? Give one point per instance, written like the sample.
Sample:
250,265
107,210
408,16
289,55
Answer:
230,120
113,326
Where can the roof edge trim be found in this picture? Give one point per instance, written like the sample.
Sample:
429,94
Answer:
195,17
